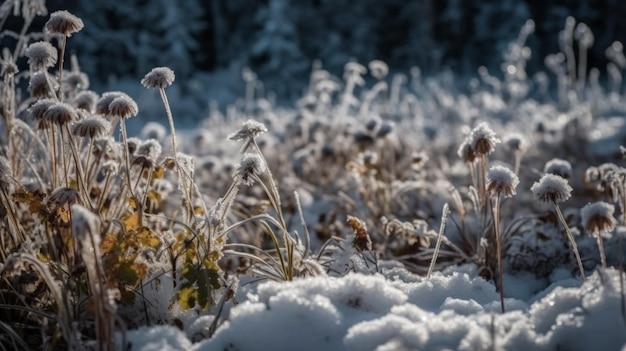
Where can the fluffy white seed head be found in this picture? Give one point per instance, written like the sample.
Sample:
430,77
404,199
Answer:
551,188
64,23
598,217
41,55
251,165
482,139
501,180
158,78
559,167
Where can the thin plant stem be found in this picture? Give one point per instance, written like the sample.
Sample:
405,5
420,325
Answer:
126,155
598,236
442,228
61,59
496,226
571,240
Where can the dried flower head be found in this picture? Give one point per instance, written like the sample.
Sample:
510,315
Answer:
38,86
482,139
60,113
86,100
153,130
64,23
5,175
559,167
250,129
598,217
150,148
37,111
361,240
75,80
63,196
501,180
102,105
250,167
123,106
378,69
466,152
91,126
158,78
133,144
515,142
551,188
110,167
41,55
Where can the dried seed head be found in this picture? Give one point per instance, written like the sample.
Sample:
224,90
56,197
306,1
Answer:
102,106
483,140
378,69
361,240
38,85
598,217
248,131
158,78
91,126
60,113
153,130
466,152
515,142
501,180
41,55
64,23
559,167
133,144
5,175
551,188
86,100
123,106
74,80
37,111
148,153
110,167
250,166
63,196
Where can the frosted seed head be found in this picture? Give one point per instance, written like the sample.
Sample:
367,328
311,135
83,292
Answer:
378,69
86,100
64,23
123,106
551,188
501,180
153,130
41,55
251,165
515,142
598,217
133,144
483,140
91,127
150,148
63,196
60,113
38,86
559,167
466,152
75,81
250,129
102,105
158,78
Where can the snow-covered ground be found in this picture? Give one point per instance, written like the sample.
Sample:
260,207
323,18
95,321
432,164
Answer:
395,310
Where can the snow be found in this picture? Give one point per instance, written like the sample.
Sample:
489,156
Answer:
374,312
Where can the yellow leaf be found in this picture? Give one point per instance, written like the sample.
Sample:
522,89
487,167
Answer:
108,242
158,173
131,221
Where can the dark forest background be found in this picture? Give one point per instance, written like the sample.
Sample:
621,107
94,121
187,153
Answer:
279,39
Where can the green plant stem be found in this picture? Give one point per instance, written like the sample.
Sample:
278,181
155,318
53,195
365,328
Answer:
571,240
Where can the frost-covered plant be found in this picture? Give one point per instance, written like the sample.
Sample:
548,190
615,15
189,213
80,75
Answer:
553,189
597,219
501,182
